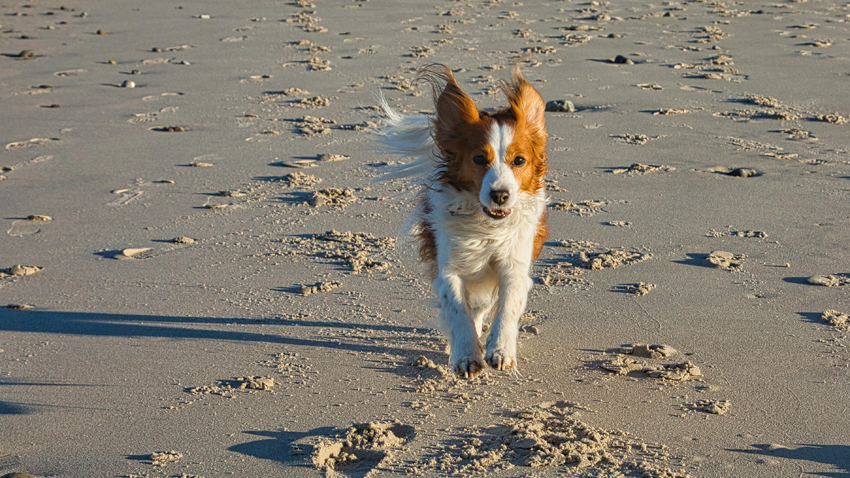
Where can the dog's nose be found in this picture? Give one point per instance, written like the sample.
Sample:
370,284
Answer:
499,196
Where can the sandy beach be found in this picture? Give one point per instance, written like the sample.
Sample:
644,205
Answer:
200,277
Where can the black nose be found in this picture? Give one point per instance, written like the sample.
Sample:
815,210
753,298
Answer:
499,197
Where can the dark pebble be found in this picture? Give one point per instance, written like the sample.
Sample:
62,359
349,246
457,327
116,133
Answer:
743,173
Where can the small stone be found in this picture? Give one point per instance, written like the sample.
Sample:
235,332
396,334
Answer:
133,252
170,129
622,60
101,32
111,62
19,307
183,240
128,84
39,217
560,106
743,172
26,55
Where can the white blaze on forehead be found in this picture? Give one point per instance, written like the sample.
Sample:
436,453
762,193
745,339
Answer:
500,176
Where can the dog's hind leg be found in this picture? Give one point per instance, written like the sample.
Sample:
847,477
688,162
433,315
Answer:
466,355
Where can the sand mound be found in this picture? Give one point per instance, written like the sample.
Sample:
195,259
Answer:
610,258
551,435
354,250
829,281
836,318
364,447
226,388
333,197
725,260
18,271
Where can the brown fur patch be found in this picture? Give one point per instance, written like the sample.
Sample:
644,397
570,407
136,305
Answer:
426,241
540,237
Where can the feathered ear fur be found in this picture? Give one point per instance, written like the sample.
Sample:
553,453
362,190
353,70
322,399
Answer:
528,107
454,108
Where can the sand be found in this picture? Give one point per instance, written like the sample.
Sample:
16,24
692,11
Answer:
222,289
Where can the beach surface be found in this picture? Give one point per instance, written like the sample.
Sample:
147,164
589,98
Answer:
200,277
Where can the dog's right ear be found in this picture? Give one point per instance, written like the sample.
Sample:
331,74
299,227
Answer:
454,108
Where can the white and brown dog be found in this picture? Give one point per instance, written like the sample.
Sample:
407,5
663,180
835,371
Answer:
480,218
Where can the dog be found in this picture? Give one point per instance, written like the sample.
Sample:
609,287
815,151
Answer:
480,214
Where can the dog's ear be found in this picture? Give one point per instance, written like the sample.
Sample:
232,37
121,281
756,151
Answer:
454,108
527,106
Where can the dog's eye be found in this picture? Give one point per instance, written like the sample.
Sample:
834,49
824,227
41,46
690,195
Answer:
519,161
480,160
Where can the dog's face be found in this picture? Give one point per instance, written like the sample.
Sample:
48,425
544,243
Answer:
497,155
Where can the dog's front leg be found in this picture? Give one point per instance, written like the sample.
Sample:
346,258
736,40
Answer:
466,352
502,341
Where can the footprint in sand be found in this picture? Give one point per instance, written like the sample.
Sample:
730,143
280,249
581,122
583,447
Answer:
29,226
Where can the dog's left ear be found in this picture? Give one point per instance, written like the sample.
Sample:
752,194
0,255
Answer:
528,106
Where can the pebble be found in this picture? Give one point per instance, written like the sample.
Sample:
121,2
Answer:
128,84
19,475
560,106
621,60
112,62
26,55
133,252
743,172
183,240
39,217
101,32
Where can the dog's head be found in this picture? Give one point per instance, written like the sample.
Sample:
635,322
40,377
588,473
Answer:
498,155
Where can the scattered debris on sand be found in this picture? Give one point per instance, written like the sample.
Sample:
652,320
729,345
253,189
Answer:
714,407
638,168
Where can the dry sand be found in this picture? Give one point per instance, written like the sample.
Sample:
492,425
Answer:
264,321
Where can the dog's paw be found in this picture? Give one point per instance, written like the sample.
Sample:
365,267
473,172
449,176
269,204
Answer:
501,360
469,366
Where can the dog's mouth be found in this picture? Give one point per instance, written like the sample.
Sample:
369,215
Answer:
497,213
